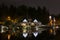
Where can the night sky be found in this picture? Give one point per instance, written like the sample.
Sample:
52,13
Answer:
52,5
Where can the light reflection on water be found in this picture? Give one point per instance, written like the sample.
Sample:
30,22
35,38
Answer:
13,38
51,31
9,36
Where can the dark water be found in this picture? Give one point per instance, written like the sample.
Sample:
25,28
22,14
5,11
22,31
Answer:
43,36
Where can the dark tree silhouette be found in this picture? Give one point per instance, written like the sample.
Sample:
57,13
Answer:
25,12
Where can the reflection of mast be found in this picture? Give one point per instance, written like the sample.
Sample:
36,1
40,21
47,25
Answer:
9,36
54,21
54,26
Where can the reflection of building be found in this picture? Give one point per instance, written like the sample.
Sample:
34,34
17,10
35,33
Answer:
31,26
3,29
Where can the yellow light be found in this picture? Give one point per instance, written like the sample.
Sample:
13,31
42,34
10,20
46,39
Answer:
9,18
32,24
50,17
51,22
9,36
12,20
24,30
51,31
23,24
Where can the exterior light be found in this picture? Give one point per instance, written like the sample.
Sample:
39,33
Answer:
32,24
2,29
9,18
50,17
25,20
35,20
25,35
35,34
23,24
9,36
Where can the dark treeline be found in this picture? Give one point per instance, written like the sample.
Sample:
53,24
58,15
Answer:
41,14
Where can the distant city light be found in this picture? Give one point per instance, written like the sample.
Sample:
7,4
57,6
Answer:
8,16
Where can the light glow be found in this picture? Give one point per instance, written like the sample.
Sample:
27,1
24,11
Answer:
23,24
9,36
35,34
2,27
25,35
25,20
50,17
35,20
